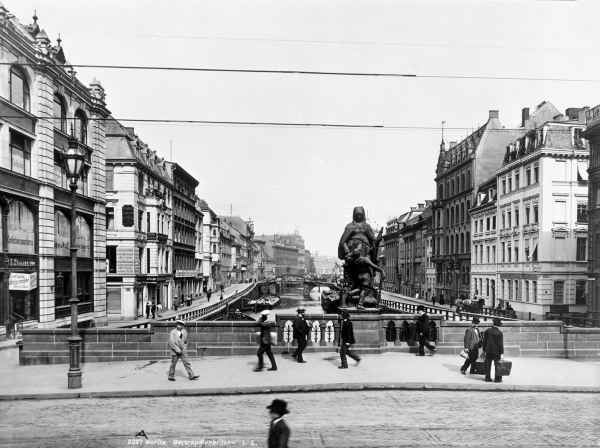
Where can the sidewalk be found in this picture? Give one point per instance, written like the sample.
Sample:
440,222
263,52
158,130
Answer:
234,375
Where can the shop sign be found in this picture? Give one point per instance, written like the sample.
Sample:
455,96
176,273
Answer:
593,116
22,282
185,273
21,235
16,262
125,260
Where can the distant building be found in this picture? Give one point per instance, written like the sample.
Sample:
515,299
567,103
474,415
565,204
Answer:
242,250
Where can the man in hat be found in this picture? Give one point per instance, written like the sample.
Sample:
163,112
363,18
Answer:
265,343
493,346
471,344
300,327
178,345
279,433
422,329
346,341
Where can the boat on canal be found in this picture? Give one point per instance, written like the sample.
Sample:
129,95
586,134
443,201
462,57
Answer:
266,302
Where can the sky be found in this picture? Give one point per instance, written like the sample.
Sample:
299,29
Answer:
309,178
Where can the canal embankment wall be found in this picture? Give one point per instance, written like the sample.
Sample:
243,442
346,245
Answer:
374,334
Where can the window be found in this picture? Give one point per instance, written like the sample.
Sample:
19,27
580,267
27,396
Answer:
503,186
147,260
60,113
517,292
140,182
503,221
81,127
147,221
528,176
580,287
110,218
516,217
509,252
526,290
517,180
526,215
559,292
536,174
493,223
111,258
110,178
516,251
582,212
509,219
20,154
475,226
535,213
487,224
502,256
534,256
534,291
487,250
509,186
19,89
581,249
140,220
469,179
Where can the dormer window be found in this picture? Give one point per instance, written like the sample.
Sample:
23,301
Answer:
19,88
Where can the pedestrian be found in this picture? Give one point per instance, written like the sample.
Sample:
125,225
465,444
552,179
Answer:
442,301
422,329
279,433
148,310
471,344
493,346
159,308
265,343
300,327
222,288
176,304
417,296
346,341
178,345
153,310
221,298
452,301
208,294
433,300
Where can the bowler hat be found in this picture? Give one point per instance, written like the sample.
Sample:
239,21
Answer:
300,310
420,308
278,407
265,312
345,314
497,322
476,320
180,322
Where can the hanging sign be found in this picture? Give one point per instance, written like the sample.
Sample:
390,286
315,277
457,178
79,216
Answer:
22,282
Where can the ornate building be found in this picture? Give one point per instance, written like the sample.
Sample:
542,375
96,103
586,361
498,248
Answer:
44,108
211,260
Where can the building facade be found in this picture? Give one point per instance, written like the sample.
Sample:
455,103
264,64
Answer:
43,109
139,246
211,252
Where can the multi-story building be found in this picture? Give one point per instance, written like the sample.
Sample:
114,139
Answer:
391,238
138,228
199,284
542,212
414,226
187,279
227,252
460,171
211,252
592,134
44,110
483,249
285,249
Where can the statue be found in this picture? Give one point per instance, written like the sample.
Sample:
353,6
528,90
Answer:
358,248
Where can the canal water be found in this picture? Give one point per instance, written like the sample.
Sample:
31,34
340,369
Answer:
293,298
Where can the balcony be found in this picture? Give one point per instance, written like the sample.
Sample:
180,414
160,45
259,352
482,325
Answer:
160,237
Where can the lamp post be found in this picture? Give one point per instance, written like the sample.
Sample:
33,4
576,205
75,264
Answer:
73,163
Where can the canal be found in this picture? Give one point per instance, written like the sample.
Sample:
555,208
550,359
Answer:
293,298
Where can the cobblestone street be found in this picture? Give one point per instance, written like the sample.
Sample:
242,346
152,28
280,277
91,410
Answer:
333,419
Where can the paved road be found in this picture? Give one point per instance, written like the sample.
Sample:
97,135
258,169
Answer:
334,419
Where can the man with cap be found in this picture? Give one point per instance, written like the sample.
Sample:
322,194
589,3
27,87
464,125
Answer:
346,341
265,342
493,346
471,344
300,327
178,345
422,329
279,433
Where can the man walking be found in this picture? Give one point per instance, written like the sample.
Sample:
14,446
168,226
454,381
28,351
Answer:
148,310
471,344
153,310
159,309
422,330
178,345
493,346
209,293
346,341
300,333
279,433
265,343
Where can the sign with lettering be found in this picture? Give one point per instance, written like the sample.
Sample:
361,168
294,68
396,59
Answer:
22,282
22,262
126,260
21,234
128,216
185,273
593,116
62,237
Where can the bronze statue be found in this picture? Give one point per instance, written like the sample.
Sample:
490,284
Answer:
358,248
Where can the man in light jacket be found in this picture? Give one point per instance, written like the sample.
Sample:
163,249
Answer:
178,345
471,344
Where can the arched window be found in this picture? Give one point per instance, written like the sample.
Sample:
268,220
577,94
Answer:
19,88
463,182
447,248
447,217
462,243
469,179
81,127
468,239
456,242
452,215
440,192
452,188
447,190
60,113
462,212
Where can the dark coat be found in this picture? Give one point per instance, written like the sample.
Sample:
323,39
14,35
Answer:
279,435
493,341
265,332
423,325
300,328
347,332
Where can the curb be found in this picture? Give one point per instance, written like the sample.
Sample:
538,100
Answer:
300,388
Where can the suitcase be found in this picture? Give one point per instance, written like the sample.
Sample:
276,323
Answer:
478,368
503,368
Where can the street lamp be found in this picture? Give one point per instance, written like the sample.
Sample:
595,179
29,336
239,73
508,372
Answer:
73,163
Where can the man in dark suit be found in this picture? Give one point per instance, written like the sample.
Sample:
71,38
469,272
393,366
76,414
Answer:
300,333
279,433
493,346
346,341
422,330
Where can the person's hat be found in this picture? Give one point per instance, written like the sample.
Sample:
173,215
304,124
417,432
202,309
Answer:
180,322
420,308
476,320
265,312
278,407
497,322
300,310
345,314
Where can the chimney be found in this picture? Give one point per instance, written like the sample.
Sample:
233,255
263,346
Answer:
560,117
421,205
524,116
572,113
582,114
494,114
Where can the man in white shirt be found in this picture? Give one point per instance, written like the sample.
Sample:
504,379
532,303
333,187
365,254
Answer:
178,345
